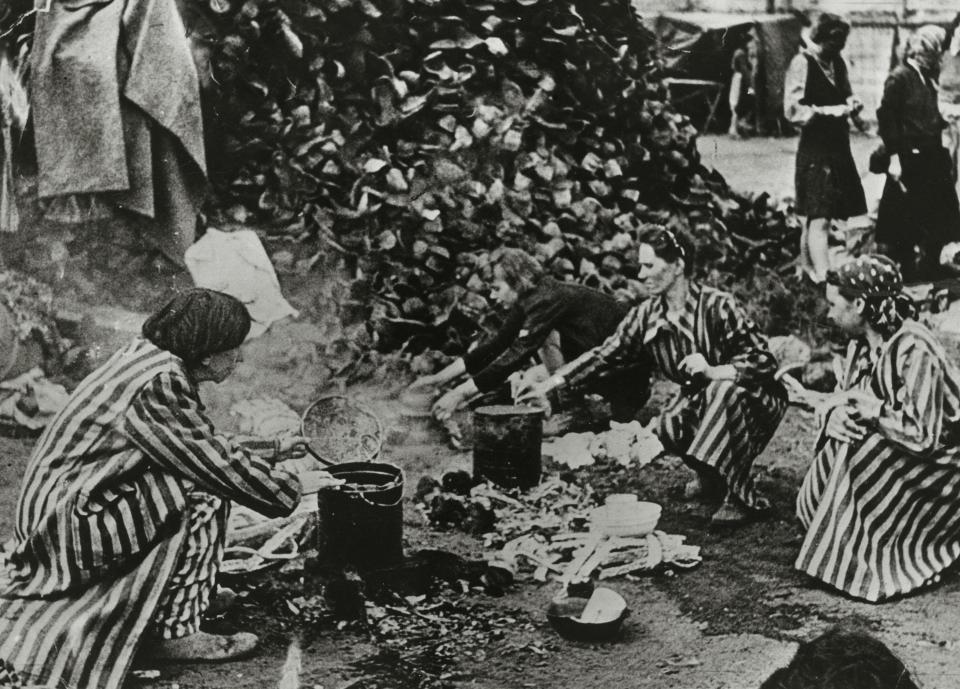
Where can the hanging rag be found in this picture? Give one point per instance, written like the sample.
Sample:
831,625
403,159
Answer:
14,108
117,117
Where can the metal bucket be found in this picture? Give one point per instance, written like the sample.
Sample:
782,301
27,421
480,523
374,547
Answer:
507,445
361,522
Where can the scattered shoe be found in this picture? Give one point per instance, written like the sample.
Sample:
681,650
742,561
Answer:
693,489
222,601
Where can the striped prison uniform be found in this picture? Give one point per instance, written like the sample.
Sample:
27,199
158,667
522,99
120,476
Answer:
883,514
721,424
120,521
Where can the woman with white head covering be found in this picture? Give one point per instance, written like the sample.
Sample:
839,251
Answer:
919,213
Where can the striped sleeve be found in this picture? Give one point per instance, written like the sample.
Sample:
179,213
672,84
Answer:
743,346
167,423
615,348
914,418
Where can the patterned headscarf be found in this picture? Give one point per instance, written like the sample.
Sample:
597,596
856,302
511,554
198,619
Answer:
876,279
925,47
829,26
198,323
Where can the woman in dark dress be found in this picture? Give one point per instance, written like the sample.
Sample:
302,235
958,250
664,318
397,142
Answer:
919,213
818,98
557,321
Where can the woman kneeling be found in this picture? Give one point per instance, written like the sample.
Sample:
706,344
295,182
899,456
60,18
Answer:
880,500
729,403
122,512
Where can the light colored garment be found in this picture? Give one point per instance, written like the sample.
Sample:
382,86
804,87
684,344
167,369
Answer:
925,46
117,114
105,512
14,110
882,514
237,264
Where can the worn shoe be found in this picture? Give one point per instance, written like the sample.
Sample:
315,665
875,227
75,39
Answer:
703,486
733,513
203,647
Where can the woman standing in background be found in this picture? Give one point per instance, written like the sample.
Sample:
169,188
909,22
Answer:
818,99
919,213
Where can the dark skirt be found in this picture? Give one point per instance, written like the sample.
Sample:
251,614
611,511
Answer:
827,182
914,222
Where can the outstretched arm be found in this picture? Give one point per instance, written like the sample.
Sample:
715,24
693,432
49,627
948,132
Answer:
167,423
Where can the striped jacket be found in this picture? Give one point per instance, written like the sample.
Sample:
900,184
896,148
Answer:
712,324
882,514
721,424
100,515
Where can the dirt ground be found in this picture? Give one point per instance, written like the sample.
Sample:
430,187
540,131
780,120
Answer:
724,625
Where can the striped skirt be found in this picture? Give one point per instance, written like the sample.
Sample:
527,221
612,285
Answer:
880,522
87,640
724,426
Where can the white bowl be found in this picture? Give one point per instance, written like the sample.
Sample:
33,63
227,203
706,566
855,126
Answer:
622,519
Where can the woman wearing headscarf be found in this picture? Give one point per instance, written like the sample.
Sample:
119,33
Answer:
729,404
919,213
123,506
819,100
881,501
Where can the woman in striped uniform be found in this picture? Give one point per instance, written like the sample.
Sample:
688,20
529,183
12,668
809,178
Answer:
729,403
121,516
880,502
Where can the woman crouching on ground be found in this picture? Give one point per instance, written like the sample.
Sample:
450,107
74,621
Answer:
880,502
729,403
557,321
123,508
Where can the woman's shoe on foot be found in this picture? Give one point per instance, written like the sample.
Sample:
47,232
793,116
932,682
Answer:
204,647
701,487
734,514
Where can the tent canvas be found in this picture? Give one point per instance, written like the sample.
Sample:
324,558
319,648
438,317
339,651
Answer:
700,45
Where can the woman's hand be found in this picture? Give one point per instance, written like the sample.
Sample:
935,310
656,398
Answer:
843,425
694,366
313,481
286,444
444,407
832,110
865,407
538,396
828,404
798,394
894,171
